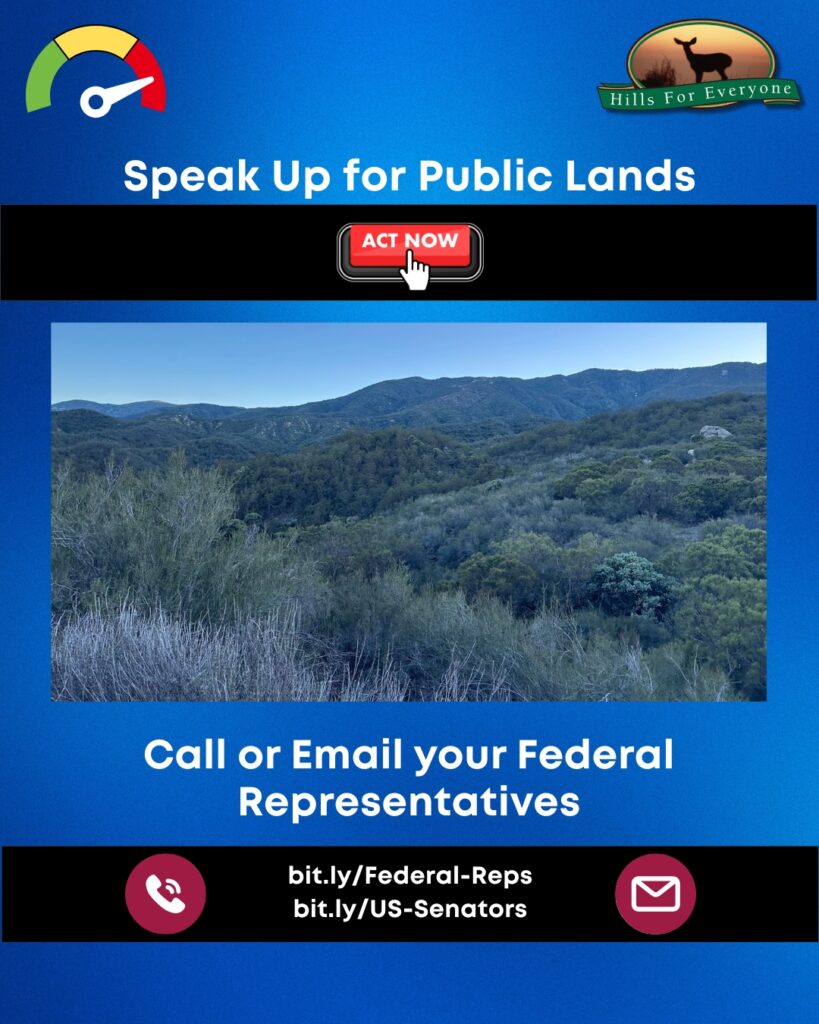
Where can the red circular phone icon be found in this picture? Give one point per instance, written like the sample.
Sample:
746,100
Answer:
165,894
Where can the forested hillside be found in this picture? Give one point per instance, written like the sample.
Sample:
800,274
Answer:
615,557
471,408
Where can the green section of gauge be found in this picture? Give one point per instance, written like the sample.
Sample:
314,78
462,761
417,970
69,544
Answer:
38,85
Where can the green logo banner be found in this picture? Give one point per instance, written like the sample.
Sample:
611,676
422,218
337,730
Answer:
704,94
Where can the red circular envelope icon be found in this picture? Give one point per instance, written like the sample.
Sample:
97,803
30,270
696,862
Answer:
655,894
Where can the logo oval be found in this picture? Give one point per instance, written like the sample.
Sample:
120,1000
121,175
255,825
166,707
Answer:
699,50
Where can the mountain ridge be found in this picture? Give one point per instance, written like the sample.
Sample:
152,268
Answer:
399,394
122,411
467,406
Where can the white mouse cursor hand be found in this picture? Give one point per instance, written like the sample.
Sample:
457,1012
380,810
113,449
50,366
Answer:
416,274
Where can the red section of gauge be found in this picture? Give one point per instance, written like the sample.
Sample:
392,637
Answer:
144,64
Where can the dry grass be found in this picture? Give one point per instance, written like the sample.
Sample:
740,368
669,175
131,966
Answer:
130,656
659,74
127,655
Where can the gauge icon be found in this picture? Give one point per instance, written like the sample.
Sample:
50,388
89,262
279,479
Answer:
97,101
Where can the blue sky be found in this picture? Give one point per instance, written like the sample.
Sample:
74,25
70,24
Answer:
287,364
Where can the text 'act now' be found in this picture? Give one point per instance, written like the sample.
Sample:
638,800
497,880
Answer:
385,245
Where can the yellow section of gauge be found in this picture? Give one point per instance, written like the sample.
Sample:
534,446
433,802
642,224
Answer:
96,37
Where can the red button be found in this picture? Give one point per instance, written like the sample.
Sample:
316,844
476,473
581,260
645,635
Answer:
385,245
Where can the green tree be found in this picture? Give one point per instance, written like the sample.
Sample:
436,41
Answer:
711,498
650,494
726,618
627,584
736,553
566,486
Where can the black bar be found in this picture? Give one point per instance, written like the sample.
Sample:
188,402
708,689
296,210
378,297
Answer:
744,894
606,252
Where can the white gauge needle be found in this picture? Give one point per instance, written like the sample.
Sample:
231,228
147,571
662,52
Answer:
110,96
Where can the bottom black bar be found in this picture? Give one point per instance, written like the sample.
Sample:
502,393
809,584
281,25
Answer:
520,894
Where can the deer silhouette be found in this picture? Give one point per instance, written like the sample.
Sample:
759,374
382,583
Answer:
702,62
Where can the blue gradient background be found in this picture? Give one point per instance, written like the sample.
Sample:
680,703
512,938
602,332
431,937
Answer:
394,84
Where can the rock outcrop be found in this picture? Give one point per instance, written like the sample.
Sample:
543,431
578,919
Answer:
714,433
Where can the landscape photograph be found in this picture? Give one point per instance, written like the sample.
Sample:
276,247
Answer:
408,512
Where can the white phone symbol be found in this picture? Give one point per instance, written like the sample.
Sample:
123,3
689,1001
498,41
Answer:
154,884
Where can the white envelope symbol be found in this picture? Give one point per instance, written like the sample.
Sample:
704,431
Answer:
655,894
